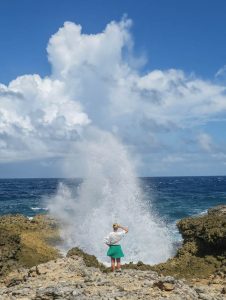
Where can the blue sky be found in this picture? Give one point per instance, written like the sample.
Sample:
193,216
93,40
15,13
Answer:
188,37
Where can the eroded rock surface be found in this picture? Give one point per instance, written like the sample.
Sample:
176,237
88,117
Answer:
203,252
25,242
69,278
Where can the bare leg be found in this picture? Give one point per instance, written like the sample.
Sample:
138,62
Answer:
118,263
112,264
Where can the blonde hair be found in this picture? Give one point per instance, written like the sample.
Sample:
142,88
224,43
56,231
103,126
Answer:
115,226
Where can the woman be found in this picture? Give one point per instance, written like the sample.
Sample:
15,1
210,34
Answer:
115,250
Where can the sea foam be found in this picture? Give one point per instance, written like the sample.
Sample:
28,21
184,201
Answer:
109,193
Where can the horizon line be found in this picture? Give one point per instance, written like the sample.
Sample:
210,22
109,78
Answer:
158,176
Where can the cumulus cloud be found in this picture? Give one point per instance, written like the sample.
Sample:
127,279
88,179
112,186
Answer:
94,83
36,116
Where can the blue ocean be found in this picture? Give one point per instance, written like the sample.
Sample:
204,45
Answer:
171,198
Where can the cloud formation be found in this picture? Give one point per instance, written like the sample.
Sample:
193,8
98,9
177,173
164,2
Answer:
94,83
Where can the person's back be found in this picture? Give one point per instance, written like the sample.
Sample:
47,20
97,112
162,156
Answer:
115,237
115,250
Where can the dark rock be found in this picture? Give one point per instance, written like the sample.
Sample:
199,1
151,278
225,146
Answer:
164,286
14,281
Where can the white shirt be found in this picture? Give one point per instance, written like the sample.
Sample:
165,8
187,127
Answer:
114,237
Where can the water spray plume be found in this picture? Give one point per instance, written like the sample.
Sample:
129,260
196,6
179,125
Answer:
109,193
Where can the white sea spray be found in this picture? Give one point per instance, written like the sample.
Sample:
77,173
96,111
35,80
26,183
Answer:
109,193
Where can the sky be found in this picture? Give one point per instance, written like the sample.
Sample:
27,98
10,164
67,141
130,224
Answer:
151,73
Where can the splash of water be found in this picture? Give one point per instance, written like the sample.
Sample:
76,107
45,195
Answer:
110,193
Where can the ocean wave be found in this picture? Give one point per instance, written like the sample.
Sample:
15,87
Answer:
40,208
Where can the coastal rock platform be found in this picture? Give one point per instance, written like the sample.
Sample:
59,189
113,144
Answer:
70,278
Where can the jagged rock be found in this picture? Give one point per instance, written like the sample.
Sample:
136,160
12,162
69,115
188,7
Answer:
219,210
164,286
204,247
70,278
13,281
90,260
208,232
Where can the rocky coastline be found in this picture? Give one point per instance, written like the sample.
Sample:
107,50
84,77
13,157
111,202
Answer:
31,267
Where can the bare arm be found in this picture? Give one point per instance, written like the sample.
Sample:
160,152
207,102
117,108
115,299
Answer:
123,228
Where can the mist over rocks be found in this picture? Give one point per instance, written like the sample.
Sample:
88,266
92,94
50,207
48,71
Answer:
110,193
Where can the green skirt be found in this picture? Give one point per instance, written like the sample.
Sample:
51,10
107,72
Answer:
115,251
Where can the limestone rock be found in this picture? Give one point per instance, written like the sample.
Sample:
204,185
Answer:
69,278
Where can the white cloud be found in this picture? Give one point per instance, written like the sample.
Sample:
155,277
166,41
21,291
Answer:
94,82
205,141
35,116
221,72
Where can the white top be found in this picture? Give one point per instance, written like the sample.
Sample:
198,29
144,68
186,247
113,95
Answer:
114,237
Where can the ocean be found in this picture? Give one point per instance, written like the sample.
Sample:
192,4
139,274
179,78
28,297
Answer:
171,198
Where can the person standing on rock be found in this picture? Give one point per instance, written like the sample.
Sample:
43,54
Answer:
115,250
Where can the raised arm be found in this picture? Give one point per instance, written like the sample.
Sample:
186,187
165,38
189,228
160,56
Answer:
123,228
